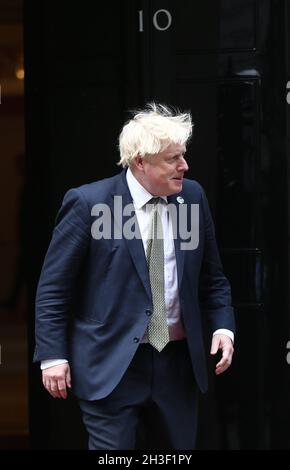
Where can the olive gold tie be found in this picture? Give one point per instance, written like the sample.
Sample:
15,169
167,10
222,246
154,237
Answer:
158,334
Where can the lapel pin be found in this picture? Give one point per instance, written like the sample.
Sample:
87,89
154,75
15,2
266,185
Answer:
180,200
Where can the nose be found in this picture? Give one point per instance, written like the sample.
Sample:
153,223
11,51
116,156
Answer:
183,166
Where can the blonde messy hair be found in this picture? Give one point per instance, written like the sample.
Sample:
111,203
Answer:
151,130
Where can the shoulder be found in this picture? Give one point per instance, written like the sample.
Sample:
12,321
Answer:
93,192
194,193
79,201
191,188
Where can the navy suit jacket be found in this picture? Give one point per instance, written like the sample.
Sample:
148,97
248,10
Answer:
93,301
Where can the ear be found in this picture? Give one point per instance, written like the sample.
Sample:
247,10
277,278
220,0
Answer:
138,162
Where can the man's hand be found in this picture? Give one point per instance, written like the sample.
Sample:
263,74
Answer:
56,379
224,343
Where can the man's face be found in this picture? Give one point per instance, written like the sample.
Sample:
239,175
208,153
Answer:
163,173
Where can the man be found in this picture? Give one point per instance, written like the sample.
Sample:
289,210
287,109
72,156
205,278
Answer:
131,268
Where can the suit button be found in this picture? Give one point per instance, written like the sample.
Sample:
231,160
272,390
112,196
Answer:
136,340
148,313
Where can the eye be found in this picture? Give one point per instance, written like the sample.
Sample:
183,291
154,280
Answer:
180,157
176,158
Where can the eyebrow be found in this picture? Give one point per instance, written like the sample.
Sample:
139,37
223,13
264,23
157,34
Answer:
178,154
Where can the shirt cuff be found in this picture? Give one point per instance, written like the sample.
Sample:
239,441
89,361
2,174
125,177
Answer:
51,362
224,331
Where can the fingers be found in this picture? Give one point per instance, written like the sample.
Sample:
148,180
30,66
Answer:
68,378
56,380
61,389
56,388
225,344
224,363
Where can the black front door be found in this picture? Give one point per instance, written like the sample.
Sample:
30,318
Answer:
225,62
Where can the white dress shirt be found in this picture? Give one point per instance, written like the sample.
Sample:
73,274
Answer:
140,198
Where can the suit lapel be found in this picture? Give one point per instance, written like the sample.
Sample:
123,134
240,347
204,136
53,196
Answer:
135,245
179,254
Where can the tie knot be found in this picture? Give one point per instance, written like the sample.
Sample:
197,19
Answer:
154,200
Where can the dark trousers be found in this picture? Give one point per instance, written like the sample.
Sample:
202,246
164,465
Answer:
156,384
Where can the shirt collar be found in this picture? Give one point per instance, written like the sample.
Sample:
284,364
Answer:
139,194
